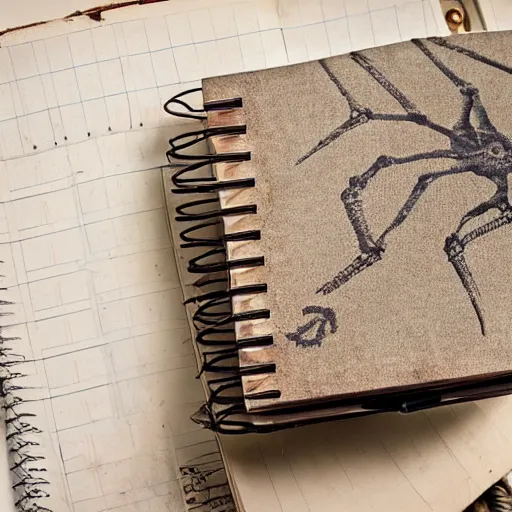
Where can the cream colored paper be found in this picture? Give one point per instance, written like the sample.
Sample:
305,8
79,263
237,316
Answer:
440,461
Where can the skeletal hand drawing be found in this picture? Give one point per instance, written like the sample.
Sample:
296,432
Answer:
313,332
476,146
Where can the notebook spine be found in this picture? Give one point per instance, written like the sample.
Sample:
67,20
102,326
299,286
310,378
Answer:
231,319
26,464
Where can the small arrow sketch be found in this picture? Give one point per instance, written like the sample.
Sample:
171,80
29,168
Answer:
312,333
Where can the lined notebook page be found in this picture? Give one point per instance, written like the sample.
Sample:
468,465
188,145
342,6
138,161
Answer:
439,460
83,229
497,14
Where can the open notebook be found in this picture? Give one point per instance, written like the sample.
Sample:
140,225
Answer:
362,261
96,302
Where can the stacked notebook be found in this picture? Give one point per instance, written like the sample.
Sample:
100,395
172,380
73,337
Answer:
346,227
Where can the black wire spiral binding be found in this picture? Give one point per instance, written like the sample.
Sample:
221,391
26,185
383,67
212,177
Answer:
27,482
214,319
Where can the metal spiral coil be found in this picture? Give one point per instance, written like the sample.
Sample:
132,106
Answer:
27,470
213,318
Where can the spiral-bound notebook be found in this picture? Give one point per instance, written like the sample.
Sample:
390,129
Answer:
363,255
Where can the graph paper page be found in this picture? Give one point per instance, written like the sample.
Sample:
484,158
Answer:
88,263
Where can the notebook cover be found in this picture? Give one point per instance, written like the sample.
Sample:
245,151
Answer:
382,201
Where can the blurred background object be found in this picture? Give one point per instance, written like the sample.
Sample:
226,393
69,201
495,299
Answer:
462,16
496,499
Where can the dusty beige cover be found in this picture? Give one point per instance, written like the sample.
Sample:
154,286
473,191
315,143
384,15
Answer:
382,199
